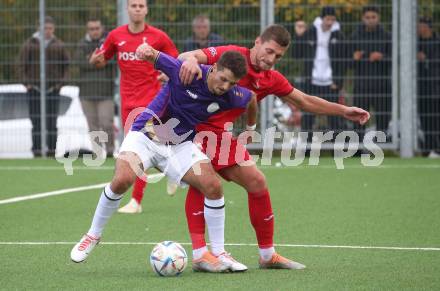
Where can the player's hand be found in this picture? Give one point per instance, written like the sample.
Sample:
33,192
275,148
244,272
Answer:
190,69
144,52
97,58
295,116
356,114
376,56
162,78
357,55
421,56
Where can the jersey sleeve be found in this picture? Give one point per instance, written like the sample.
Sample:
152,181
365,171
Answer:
214,53
109,47
154,110
281,86
169,66
168,46
240,97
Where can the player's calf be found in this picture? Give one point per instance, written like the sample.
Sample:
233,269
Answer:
126,170
107,205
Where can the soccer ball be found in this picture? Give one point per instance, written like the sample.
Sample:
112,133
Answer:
168,259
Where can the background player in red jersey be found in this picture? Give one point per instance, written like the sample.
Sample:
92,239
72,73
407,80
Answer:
139,79
269,47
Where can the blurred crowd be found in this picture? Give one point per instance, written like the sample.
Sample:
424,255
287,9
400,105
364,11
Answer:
333,66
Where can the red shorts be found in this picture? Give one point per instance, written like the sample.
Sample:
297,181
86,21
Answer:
225,152
128,115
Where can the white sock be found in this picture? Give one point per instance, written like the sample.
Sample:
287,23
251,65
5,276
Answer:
107,205
266,254
215,222
198,253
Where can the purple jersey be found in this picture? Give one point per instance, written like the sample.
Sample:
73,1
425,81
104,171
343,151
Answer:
180,108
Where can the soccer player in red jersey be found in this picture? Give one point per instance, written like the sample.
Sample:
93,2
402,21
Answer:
139,79
269,47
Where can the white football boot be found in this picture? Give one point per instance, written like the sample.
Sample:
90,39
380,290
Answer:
209,263
81,250
132,207
231,263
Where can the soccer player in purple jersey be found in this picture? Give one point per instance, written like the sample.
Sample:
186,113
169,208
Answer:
161,137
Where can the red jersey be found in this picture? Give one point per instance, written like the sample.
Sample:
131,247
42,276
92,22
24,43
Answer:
139,84
263,83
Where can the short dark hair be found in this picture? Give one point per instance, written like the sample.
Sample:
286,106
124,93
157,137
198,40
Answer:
233,61
426,20
277,33
47,20
328,11
200,18
370,8
93,19
146,2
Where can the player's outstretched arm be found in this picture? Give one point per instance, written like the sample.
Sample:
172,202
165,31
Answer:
318,105
190,67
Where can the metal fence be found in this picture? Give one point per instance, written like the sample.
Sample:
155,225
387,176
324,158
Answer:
371,66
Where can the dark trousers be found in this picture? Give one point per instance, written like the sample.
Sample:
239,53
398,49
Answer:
99,114
334,123
429,112
52,104
373,95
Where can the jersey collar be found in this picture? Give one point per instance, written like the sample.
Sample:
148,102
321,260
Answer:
145,29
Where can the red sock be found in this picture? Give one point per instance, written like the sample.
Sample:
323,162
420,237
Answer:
138,190
195,217
262,218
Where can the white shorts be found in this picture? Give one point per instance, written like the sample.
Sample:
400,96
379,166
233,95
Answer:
172,160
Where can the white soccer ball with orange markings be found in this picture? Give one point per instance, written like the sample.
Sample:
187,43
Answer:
168,259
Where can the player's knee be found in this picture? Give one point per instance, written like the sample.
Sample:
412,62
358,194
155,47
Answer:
256,183
213,189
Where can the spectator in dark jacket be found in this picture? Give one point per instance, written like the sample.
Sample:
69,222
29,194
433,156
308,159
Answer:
202,36
96,85
56,74
321,49
371,54
297,49
428,86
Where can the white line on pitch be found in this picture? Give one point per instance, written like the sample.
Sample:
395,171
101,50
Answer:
52,193
60,192
241,244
